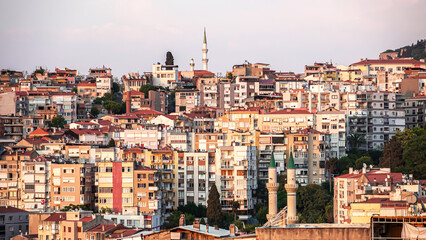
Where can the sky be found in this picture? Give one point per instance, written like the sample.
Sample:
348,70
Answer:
131,35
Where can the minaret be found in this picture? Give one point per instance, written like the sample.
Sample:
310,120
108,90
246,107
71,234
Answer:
205,60
192,64
291,188
272,187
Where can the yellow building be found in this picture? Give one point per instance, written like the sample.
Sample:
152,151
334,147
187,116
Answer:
363,211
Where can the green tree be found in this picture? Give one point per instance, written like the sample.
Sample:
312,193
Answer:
109,97
112,107
94,112
331,165
97,100
329,214
58,122
261,214
229,75
173,219
115,87
235,206
111,143
74,207
74,89
355,140
311,203
214,208
359,163
146,88
392,154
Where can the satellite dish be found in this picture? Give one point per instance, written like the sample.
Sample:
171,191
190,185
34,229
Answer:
411,199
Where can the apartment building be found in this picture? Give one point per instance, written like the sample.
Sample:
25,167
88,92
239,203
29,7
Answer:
208,141
147,194
196,174
373,191
13,221
415,111
165,75
285,120
164,161
237,120
310,151
186,99
35,182
236,178
209,95
230,96
71,183
66,104
103,85
333,122
114,182
378,117
133,82
271,144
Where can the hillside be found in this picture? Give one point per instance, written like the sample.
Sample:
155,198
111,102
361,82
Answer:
416,51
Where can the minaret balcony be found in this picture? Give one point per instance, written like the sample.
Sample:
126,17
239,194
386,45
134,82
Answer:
291,187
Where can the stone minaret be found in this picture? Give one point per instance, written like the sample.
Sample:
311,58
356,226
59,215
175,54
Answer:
291,188
272,187
192,64
205,60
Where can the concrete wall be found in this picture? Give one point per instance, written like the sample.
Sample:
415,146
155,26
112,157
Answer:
313,233
8,103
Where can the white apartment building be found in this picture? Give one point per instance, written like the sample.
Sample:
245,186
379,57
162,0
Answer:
164,75
237,178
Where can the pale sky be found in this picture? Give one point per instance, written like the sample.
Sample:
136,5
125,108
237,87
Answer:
131,35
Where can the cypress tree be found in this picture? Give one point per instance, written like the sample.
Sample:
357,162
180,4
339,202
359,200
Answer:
214,212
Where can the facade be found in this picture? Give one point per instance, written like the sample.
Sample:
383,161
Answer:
415,111
71,184
237,180
164,75
13,221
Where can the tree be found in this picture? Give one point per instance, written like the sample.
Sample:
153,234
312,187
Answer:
58,122
74,89
111,143
331,166
359,163
311,203
115,87
392,154
146,88
261,214
214,208
112,107
97,100
229,75
173,219
109,97
94,112
235,206
74,207
355,140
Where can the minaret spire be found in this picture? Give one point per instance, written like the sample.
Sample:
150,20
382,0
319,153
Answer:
205,50
272,187
291,188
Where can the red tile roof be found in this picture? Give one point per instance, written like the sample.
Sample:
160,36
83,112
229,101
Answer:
86,219
10,210
56,217
35,141
39,131
389,61
86,131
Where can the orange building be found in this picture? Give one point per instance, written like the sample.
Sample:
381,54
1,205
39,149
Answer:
71,184
146,192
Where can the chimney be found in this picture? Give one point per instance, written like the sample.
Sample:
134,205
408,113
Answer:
128,103
182,220
232,230
103,228
364,170
196,225
207,227
351,170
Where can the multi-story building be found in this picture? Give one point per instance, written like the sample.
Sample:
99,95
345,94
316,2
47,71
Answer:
271,144
164,161
35,182
13,221
236,178
285,120
196,173
133,81
103,85
147,195
187,99
333,122
11,127
71,183
309,148
415,111
115,185
377,117
165,75
66,104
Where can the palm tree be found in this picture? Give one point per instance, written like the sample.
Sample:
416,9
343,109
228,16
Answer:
331,165
355,140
